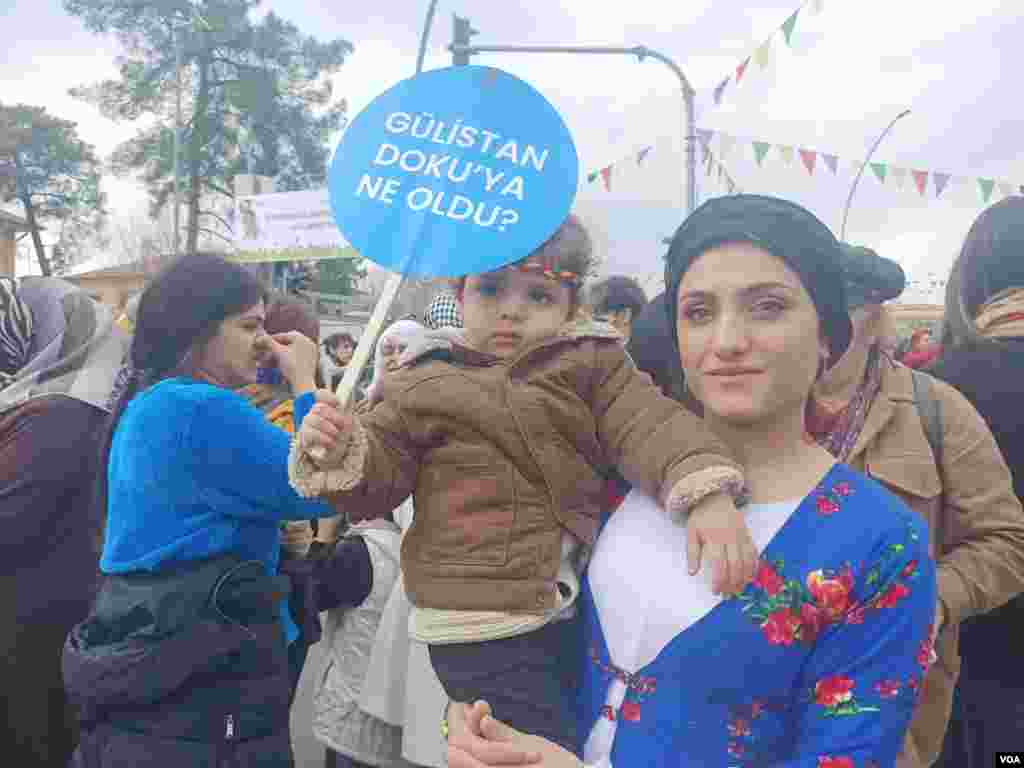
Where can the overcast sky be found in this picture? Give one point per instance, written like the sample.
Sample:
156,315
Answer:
855,66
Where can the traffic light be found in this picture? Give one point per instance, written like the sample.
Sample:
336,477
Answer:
462,31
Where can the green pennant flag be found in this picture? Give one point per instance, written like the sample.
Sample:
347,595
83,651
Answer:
760,150
986,188
880,170
788,26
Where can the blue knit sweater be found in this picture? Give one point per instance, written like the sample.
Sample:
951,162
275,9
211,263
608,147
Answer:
195,471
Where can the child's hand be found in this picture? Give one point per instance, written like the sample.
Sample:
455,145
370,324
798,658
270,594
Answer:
716,530
326,428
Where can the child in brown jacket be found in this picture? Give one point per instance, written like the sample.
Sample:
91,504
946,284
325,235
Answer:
504,432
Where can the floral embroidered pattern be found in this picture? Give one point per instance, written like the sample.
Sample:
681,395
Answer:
828,502
835,695
835,762
788,611
638,688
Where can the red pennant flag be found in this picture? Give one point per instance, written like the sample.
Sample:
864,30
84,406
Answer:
921,179
741,69
809,157
606,177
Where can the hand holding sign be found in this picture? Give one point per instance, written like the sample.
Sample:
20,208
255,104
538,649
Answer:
452,172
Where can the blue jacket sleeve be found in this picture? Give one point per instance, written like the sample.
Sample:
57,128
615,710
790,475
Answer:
862,681
241,456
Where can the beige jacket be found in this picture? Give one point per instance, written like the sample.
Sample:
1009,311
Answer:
503,456
975,521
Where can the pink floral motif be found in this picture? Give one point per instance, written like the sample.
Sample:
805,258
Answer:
781,626
826,506
888,689
892,595
768,579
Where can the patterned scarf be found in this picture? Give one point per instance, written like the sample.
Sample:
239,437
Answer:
443,312
15,331
1002,317
837,432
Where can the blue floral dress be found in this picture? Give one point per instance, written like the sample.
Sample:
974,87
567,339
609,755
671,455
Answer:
817,664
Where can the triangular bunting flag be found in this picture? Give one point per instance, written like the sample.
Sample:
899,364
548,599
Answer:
898,176
719,90
880,170
788,25
786,153
591,177
642,154
809,157
725,142
986,186
760,150
832,161
720,171
706,155
704,135
921,180
763,55
1005,188
941,180
606,176
740,69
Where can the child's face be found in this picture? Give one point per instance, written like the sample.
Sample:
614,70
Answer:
506,310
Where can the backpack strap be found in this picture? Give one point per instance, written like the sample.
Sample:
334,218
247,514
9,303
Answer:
930,410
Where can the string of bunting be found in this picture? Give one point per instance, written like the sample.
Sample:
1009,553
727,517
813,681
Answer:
924,181
763,55
711,164
606,173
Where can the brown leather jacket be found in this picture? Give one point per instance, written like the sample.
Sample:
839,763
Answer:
502,456
975,522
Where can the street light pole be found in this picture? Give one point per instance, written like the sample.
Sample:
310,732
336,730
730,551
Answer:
462,50
853,188
177,140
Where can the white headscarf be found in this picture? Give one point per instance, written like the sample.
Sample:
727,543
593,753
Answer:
403,330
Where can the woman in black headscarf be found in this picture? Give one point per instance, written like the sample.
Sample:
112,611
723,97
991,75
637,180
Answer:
818,662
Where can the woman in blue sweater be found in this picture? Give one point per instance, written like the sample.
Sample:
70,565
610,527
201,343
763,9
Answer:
183,659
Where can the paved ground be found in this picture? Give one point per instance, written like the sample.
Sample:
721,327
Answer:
308,752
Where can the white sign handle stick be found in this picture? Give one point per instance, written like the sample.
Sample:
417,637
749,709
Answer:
355,367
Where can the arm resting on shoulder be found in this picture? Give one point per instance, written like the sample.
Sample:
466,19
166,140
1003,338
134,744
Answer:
656,443
981,565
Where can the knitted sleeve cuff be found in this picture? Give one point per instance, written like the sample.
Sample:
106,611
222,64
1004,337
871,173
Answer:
341,469
693,489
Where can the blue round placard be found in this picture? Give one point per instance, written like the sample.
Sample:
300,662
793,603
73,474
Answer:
453,172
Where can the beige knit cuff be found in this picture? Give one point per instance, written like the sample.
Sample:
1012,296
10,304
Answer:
693,489
341,469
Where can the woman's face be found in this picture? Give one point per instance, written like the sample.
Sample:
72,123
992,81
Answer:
391,349
343,352
749,336
234,355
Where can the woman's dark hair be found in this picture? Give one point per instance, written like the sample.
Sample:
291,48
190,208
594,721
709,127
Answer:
286,314
618,292
991,259
182,307
332,341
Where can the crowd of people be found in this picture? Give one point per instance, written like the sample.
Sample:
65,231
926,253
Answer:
561,525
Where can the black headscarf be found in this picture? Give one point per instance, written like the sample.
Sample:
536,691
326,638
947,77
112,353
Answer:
870,278
781,228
